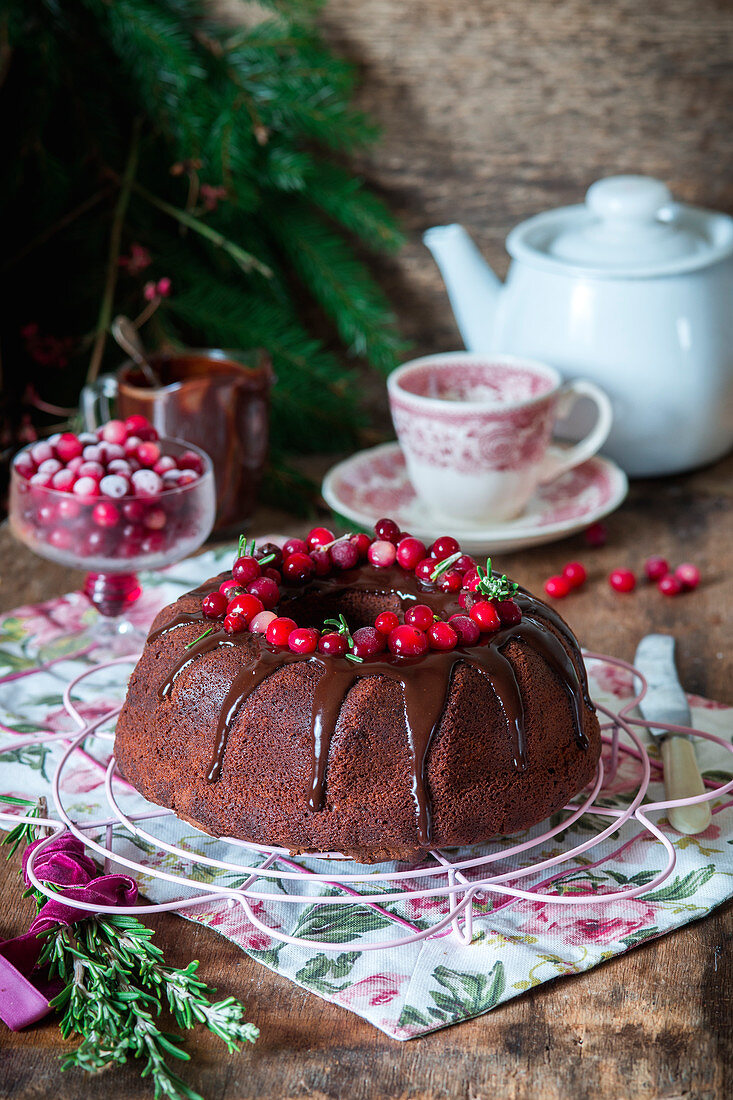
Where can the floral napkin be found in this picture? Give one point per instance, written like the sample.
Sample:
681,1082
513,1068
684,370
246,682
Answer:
405,991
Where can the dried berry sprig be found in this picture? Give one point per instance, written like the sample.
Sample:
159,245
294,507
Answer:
495,586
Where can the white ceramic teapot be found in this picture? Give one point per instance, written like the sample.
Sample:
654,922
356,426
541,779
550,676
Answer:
630,290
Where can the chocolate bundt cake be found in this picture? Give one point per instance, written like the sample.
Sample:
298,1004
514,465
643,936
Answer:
439,706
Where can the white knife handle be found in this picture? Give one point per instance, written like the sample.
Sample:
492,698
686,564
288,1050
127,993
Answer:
682,779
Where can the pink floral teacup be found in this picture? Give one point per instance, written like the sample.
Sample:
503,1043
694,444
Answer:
476,431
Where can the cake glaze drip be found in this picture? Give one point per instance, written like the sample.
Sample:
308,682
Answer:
425,681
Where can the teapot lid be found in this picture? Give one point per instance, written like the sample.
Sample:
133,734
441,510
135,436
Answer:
629,227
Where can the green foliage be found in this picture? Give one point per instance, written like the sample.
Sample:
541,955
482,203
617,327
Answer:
217,147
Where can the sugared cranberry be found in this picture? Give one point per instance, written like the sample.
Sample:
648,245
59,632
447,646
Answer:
114,486
146,483
622,580
386,622
441,636
186,477
155,519
575,574
230,588
111,452
322,562
424,570
362,543
266,590
688,575
105,514
485,615
669,585
24,465
234,624
279,630
656,567
245,605
344,555
165,463
294,546
387,530
419,615
60,538
260,623
131,445
298,568
246,569
510,612
74,464
304,639
596,535
466,629
94,452
63,480
134,423
90,468
443,547
558,587
382,554
41,451
148,454
42,481
50,466
214,606
189,460
119,466
410,551
319,536
270,550
68,447
114,431
451,581
85,487
368,642
333,644
85,438
407,641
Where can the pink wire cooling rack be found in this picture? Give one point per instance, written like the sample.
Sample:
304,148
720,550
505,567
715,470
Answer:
464,878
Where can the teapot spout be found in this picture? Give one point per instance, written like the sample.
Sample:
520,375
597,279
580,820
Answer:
472,286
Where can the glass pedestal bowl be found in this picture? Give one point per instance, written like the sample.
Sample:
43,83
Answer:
113,539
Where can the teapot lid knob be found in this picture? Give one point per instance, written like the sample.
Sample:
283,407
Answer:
627,198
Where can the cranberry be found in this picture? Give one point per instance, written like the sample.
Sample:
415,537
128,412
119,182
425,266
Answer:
485,615
186,477
135,422
319,536
95,543
68,447
114,485
466,629
424,570
304,639
322,562
164,464
189,460
230,588
622,580
114,431
441,636
344,555
131,445
382,554
464,563
471,579
467,599
419,615
46,513
273,574
294,546
688,575
41,451
171,478
234,624
407,641
148,454
298,568
93,453
214,606
279,630
24,465
50,466
410,551
333,644
60,538
260,623
89,468
386,622
111,452
656,567
245,605
575,574
368,642
669,585
134,510
85,438
69,508
146,483
265,589
451,581
42,481
105,514
63,480
558,587
387,530
156,519
596,535
266,550
246,569
510,612
85,487
443,547
119,466
362,543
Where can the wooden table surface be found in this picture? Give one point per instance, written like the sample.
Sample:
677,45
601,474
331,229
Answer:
653,1023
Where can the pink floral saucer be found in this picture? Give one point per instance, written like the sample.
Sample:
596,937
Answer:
374,483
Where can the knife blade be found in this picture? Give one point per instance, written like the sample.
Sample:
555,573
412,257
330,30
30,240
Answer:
665,701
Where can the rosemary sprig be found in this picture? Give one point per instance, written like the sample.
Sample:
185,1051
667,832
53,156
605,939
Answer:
494,586
444,565
200,638
24,833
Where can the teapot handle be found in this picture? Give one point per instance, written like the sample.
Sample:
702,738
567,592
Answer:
557,464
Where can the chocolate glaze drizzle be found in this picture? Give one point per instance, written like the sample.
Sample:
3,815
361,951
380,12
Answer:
425,681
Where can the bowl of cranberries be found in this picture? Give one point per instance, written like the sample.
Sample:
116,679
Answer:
112,501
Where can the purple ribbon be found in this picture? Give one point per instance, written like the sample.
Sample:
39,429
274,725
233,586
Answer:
24,994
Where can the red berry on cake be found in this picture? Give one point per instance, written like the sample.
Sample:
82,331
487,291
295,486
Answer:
362,543
214,606
509,611
452,581
230,588
344,555
419,615
407,641
367,641
424,570
261,621
279,630
442,636
443,547
319,536
388,530
382,554
410,551
485,615
298,567
322,562
333,644
265,589
386,622
466,629
245,569
304,639
294,546
246,606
